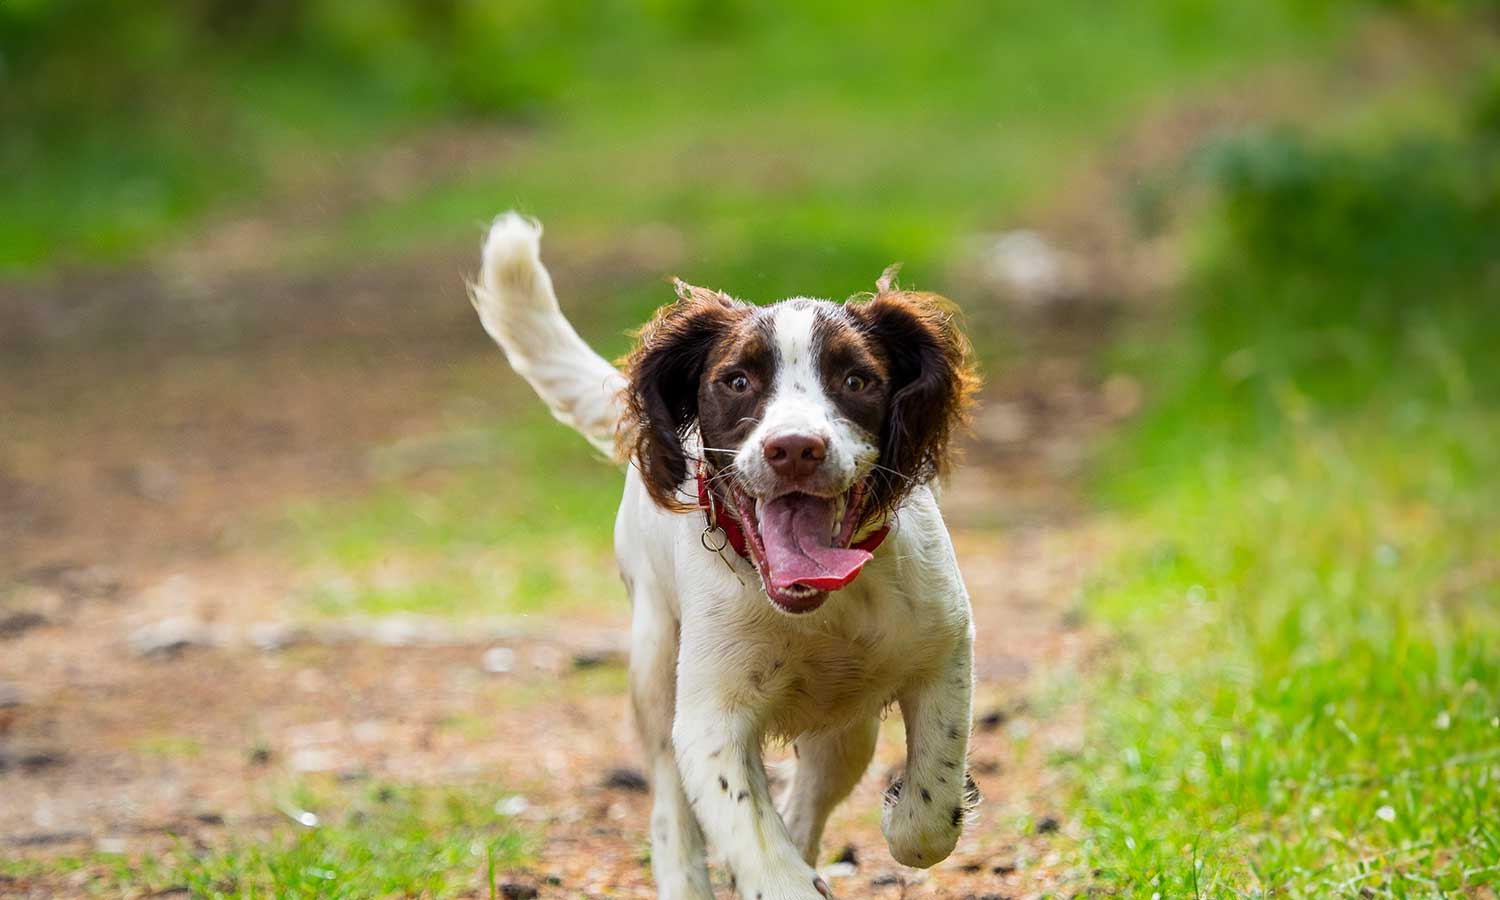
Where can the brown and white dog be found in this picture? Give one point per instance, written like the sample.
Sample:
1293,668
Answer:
774,454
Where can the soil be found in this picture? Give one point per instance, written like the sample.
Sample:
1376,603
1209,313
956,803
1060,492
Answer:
155,688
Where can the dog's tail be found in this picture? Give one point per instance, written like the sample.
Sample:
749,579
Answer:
517,307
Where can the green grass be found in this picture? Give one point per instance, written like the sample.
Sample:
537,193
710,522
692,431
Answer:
523,527
387,841
1308,693
1305,699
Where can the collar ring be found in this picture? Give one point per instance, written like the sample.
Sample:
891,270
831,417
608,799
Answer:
712,535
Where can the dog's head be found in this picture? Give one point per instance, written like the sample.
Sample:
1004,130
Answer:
815,418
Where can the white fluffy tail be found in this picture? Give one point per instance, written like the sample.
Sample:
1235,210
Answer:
518,308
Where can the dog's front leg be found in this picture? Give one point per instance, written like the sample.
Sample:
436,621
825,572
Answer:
718,754
925,810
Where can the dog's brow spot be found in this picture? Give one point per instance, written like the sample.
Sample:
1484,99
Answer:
926,797
723,783
741,796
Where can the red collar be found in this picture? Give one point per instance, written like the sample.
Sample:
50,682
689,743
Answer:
736,537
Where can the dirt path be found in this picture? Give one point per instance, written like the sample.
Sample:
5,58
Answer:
144,701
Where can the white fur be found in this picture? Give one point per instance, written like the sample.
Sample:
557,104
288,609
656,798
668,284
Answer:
517,307
799,405
716,669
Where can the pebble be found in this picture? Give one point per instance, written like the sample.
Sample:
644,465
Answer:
39,760
401,631
10,695
499,660
169,637
314,759
152,481
513,805
593,659
18,623
626,780
992,719
269,637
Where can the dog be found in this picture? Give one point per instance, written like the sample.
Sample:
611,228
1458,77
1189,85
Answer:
789,572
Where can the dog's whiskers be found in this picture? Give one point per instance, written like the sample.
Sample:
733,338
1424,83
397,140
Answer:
887,469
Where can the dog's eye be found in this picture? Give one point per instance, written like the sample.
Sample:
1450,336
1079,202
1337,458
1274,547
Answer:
854,383
738,383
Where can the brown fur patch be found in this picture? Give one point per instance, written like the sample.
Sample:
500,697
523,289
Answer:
664,374
726,416
931,380
845,349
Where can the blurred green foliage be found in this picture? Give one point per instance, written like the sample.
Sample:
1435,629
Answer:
1334,272
1306,705
129,123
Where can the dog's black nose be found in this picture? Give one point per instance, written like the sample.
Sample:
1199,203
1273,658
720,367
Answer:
795,455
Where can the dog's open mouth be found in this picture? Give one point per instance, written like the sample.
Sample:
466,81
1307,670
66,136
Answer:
800,544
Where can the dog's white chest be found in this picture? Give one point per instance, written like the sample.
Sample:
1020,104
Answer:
844,666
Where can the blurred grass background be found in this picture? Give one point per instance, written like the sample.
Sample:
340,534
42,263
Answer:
794,133
1310,699
1303,700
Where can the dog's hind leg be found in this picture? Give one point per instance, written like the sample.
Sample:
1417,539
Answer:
677,851
829,765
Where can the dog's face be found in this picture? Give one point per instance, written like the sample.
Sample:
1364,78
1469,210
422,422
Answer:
815,418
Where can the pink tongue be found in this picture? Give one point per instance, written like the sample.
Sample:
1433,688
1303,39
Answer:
797,531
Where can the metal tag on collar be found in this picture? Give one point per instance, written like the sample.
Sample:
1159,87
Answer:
714,534
710,528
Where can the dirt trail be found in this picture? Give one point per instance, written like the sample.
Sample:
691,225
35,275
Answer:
127,478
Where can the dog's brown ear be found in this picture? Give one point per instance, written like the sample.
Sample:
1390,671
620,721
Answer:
663,372
932,382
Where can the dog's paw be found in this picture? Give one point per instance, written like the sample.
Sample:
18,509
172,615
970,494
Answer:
920,828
